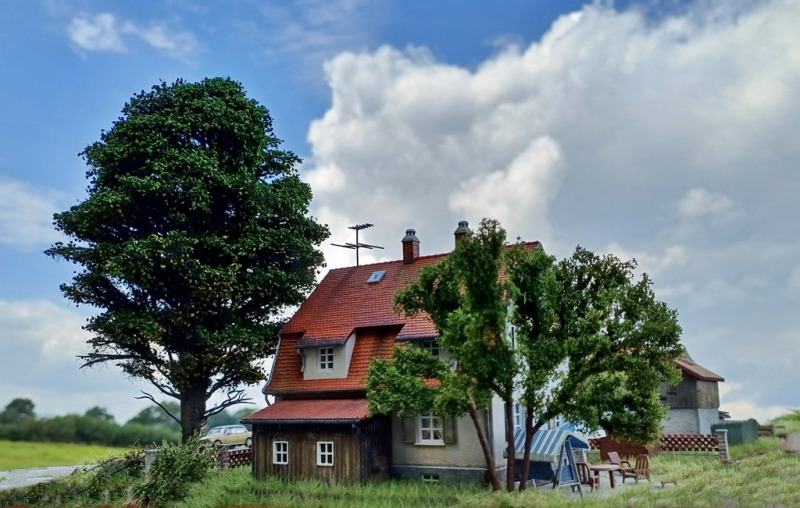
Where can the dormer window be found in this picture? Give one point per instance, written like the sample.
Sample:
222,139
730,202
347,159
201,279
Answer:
325,358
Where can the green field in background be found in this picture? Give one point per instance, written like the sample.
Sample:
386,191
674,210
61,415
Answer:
26,454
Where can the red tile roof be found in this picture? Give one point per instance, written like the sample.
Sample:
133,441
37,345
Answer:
284,411
686,364
342,303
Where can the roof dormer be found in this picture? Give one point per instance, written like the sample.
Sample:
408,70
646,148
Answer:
326,358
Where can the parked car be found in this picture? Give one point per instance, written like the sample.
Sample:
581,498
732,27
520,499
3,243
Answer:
228,435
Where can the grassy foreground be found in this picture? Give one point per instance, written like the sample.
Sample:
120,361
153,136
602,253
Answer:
760,474
25,454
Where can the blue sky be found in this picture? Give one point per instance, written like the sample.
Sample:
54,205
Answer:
663,130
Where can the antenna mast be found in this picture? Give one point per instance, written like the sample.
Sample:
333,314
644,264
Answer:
358,245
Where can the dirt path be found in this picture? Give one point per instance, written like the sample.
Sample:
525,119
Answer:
26,477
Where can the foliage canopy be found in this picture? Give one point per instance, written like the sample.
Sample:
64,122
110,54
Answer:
582,338
193,239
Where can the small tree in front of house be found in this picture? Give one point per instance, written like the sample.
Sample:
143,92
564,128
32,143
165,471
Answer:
594,344
466,299
415,382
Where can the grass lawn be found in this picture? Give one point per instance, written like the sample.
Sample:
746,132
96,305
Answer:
237,487
25,454
760,474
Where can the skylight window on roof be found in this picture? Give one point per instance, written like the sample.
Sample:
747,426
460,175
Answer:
376,276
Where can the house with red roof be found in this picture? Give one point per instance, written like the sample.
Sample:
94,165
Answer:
318,425
694,402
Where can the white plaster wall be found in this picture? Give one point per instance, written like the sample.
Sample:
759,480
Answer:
706,418
465,452
682,421
497,429
312,370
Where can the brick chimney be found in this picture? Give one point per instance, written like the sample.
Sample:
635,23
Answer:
462,230
410,246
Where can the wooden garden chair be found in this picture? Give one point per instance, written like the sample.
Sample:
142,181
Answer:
641,471
586,477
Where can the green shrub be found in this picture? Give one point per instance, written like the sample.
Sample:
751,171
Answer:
177,467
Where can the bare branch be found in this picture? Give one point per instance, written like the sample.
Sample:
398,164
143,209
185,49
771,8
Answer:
233,397
151,399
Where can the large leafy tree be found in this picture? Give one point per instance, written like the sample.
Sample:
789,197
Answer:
193,239
594,343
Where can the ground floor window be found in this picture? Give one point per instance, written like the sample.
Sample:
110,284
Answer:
280,452
430,429
325,453
430,478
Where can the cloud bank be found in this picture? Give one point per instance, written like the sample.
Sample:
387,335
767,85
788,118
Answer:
673,140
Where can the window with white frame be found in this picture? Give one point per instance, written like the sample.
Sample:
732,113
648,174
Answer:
325,453
431,346
326,358
280,452
430,429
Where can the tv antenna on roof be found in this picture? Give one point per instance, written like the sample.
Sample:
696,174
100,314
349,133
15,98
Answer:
358,245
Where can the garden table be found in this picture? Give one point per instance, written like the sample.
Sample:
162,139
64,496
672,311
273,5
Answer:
610,468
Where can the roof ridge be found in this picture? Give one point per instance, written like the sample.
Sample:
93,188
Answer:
427,257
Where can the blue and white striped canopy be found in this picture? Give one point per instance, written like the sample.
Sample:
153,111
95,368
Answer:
547,444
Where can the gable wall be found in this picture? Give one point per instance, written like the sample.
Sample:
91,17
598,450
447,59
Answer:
707,394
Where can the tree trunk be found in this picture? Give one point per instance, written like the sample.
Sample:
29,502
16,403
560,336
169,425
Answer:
530,431
193,408
510,451
487,452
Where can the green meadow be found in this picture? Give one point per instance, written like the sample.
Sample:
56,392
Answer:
25,454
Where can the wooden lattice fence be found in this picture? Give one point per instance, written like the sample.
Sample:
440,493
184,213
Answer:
234,458
686,443
689,443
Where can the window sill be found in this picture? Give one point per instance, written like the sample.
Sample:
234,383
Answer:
434,443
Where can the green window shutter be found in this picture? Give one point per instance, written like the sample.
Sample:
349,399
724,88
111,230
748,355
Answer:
449,427
408,429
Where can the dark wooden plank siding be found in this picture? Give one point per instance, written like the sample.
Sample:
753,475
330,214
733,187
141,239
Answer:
681,396
303,439
376,448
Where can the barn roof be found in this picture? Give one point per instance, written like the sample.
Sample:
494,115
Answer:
687,365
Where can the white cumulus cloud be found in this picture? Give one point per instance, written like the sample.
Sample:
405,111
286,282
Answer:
699,202
518,196
39,344
100,32
103,32
26,214
651,264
